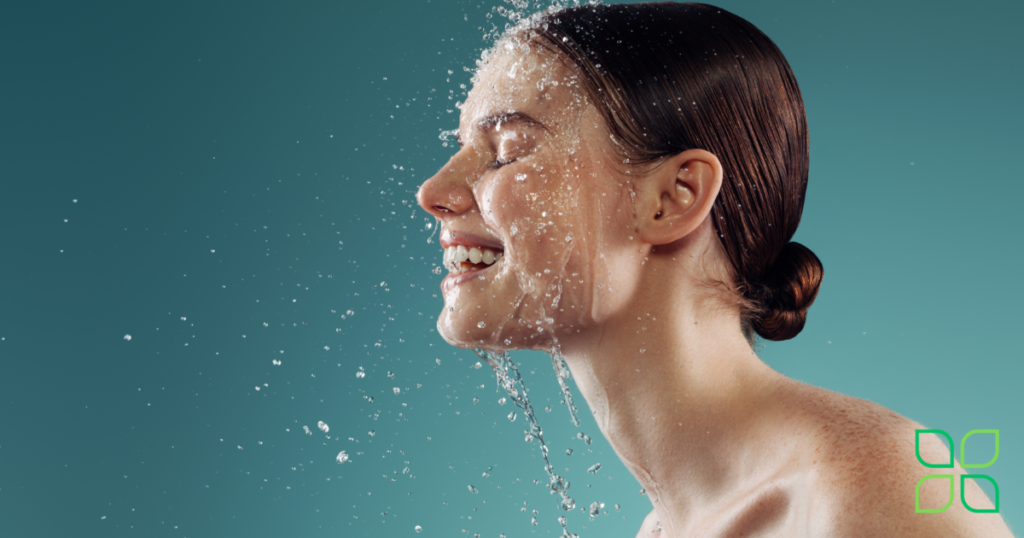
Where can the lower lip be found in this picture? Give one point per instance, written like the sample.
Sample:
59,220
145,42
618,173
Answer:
453,280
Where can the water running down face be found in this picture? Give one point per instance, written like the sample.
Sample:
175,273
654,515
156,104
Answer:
535,209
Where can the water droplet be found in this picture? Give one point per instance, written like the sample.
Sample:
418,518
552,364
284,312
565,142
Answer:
350,313
323,426
568,452
417,528
127,338
595,509
476,401
472,489
617,508
396,390
481,325
306,429
383,284
520,177
276,362
437,270
371,433
586,439
377,344
547,408
342,457
533,521
643,491
360,374
512,416
486,474
391,375
594,468
511,381
438,361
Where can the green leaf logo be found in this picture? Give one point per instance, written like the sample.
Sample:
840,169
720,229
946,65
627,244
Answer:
917,495
917,449
963,450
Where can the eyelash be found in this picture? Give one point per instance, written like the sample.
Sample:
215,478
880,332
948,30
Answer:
496,164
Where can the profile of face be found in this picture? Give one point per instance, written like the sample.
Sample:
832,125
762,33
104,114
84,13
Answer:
537,212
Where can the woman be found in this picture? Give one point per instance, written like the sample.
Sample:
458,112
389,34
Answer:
627,184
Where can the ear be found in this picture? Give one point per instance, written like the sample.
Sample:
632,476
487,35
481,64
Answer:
677,196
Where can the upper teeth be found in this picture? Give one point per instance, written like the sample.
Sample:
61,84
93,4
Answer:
455,255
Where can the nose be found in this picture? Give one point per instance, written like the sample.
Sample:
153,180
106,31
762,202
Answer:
448,192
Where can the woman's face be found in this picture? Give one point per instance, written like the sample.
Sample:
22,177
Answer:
536,216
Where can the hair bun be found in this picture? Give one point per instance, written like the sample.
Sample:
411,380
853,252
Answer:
791,285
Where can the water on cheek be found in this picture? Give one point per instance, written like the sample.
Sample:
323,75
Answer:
537,282
540,240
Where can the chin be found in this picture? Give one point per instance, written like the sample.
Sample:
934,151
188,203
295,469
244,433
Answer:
466,334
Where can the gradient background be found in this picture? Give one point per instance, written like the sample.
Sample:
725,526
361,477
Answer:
245,173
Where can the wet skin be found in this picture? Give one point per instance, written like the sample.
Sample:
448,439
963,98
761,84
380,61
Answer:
619,266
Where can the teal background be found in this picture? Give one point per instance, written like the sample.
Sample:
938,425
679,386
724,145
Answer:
245,173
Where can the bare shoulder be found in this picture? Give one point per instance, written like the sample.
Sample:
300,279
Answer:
866,474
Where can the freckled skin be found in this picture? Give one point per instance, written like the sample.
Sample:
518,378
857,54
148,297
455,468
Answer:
724,445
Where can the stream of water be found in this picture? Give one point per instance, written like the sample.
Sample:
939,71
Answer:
511,381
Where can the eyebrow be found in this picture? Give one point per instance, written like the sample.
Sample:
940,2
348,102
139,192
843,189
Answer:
499,118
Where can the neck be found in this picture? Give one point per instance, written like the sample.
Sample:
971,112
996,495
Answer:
678,392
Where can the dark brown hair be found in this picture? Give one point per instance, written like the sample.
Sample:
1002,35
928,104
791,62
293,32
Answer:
669,77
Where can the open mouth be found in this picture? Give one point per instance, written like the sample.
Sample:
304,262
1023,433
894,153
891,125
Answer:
459,259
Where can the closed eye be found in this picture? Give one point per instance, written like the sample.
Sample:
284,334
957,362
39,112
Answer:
497,163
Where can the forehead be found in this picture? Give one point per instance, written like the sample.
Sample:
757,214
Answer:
517,77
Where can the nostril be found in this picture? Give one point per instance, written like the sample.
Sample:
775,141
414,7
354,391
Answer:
442,209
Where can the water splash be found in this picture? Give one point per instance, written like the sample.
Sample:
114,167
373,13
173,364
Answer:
511,381
562,373
519,15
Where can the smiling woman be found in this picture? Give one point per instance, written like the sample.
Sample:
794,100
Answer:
626,188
